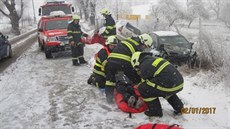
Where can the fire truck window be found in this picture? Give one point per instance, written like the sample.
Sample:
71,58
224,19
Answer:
52,25
48,9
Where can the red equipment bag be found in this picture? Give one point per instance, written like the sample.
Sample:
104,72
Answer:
94,39
158,126
123,106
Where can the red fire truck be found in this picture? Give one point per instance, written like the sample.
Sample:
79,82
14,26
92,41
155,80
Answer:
52,33
55,5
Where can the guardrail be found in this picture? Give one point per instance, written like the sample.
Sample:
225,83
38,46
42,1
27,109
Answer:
22,36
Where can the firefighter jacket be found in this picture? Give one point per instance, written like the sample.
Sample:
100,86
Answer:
110,25
159,73
122,53
74,33
101,59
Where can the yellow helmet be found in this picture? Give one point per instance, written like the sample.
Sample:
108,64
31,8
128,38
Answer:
75,17
135,59
111,40
146,39
105,11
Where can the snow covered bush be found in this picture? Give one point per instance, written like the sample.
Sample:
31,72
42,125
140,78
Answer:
210,50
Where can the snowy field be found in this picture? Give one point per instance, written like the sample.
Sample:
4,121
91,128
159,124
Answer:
36,93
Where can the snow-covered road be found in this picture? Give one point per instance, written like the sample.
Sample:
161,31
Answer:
36,93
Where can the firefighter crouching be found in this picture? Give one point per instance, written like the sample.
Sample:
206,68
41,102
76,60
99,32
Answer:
101,59
119,60
159,79
110,26
77,47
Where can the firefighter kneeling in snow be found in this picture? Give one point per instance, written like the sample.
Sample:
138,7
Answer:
159,79
101,59
77,47
120,61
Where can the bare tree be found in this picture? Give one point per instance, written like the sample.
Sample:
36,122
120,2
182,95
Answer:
171,11
196,9
225,15
13,15
215,5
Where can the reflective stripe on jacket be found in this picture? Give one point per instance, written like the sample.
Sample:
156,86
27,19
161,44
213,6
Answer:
101,59
124,50
160,74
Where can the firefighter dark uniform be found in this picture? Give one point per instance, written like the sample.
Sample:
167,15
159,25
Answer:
159,79
98,70
75,34
101,59
119,60
110,26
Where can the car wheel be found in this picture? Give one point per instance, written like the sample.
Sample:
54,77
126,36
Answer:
192,61
10,53
41,46
48,54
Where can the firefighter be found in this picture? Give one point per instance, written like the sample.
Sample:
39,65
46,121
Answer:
77,47
110,26
120,61
159,79
101,58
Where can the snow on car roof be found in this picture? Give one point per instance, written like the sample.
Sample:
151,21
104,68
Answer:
165,33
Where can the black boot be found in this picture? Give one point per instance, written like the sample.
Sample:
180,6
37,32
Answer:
154,108
91,80
82,60
176,103
75,62
109,93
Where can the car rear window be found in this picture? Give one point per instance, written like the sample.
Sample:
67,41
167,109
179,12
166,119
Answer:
52,25
133,29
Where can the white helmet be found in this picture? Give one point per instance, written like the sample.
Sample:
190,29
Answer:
75,17
111,40
105,11
146,39
135,59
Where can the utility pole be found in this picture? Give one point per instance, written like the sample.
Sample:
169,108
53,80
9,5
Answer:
117,8
34,11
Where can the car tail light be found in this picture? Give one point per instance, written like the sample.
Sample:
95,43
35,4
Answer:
120,29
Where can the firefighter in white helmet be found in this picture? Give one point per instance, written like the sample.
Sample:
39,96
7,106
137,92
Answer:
120,61
159,79
110,26
101,59
74,35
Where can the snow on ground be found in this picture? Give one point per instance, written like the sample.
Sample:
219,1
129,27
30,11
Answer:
53,94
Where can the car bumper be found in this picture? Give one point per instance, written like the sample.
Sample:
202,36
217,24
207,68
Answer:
57,46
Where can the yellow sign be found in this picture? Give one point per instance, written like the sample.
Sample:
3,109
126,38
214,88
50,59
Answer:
133,17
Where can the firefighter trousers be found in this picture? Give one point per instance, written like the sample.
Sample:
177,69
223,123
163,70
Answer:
77,53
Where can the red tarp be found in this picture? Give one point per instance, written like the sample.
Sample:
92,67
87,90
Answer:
122,105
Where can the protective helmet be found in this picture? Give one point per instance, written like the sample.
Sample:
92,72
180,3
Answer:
135,59
75,17
105,11
111,40
146,39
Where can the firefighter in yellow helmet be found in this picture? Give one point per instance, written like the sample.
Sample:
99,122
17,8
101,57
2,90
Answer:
159,79
110,26
101,59
120,61
74,35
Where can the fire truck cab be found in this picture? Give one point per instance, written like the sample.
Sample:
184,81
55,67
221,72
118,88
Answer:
55,5
52,33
